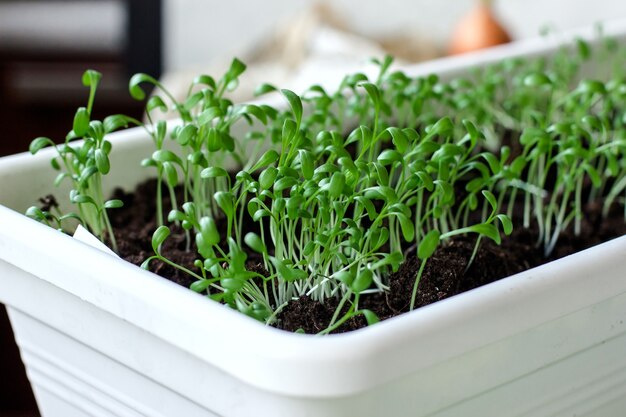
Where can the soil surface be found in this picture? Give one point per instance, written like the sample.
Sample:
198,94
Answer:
445,274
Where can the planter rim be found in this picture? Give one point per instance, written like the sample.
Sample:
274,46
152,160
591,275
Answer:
310,366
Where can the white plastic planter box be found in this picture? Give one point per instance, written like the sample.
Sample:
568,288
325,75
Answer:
101,337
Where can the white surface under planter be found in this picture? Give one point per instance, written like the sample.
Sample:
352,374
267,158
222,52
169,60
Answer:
101,337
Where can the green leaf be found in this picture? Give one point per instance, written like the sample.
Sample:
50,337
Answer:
156,102
449,150
278,205
54,162
226,202
190,209
399,138
309,248
488,230
208,115
190,103
288,273
369,206
91,78
133,85
208,229
381,192
149,162
260,213
284,183
113,204
373,92
59,178
428,245
346,277
592,87
38,144
267,177
187,134
306,163
115,122
200,286
204,248
494,163
537,79
592,121
294,204
491,199
407,226
102,161
164,155
95,130
158,237
214,142
518,165
389,156
394,259
176,216
295,102
160,130
471,129
255,243
370,317
255,111
594,175
583,49
380,236
337,182
363,280
269,157
36,213
442,127
146,264
86,173
427,147
384,64
213,172
232,284
170,173
426,180
507,224
72,216
472,201
211,264
206,80
237,68
197,158
354,79
264,89
446,190
270,111
81,122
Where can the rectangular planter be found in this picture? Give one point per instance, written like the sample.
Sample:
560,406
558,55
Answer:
101,337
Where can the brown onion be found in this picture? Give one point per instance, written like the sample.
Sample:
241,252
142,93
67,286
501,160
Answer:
477,30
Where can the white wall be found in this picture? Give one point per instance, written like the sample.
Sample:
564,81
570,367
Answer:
198,31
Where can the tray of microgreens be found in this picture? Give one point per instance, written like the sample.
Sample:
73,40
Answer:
333,191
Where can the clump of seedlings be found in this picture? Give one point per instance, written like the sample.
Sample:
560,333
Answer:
341,188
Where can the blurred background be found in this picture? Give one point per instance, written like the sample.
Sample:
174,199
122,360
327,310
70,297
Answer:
46,45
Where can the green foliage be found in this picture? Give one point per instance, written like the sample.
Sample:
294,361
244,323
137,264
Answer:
83,164
341,186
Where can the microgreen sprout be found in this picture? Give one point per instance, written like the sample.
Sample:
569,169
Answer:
84,164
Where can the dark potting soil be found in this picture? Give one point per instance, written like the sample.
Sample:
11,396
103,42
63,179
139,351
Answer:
445,274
